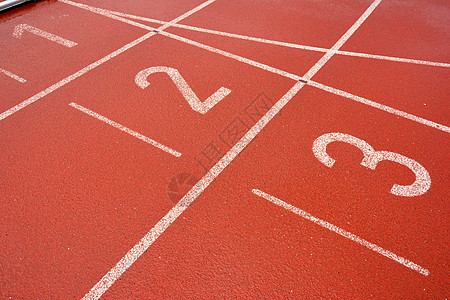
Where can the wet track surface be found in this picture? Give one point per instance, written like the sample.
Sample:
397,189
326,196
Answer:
185,149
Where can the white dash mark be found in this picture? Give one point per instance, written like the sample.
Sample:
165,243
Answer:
19,29
405,262
13,76
126,129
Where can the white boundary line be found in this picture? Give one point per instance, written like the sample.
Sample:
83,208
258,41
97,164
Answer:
19,29
262,66
134,253
105,13
125,129
94,65
13,76
379,106
70,78
405,262
286,44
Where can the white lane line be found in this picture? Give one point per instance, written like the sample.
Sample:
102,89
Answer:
379,106
109,14
265,67
233,56
19,29
70,78
126,129
211,49
134,253
405,262
285,44
396,59
222,33
341,41
88,68
13,76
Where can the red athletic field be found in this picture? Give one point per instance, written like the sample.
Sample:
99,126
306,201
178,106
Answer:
225,149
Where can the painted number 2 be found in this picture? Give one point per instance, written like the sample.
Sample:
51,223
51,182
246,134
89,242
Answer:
185,89
372,158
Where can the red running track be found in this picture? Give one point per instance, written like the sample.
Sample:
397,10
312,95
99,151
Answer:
94,159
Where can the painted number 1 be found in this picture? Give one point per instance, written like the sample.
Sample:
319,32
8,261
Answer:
371,160
186,91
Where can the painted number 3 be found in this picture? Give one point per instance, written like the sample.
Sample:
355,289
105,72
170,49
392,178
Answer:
371,160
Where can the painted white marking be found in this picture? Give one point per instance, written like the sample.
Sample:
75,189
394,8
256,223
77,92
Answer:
320,146
88,68
396,59
342,40
13,76
216,32
371,160
19,29
126,129
107,13
134,253
72,77
233,56
186,91
262,66
379,106
285,44
405,262
420,186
